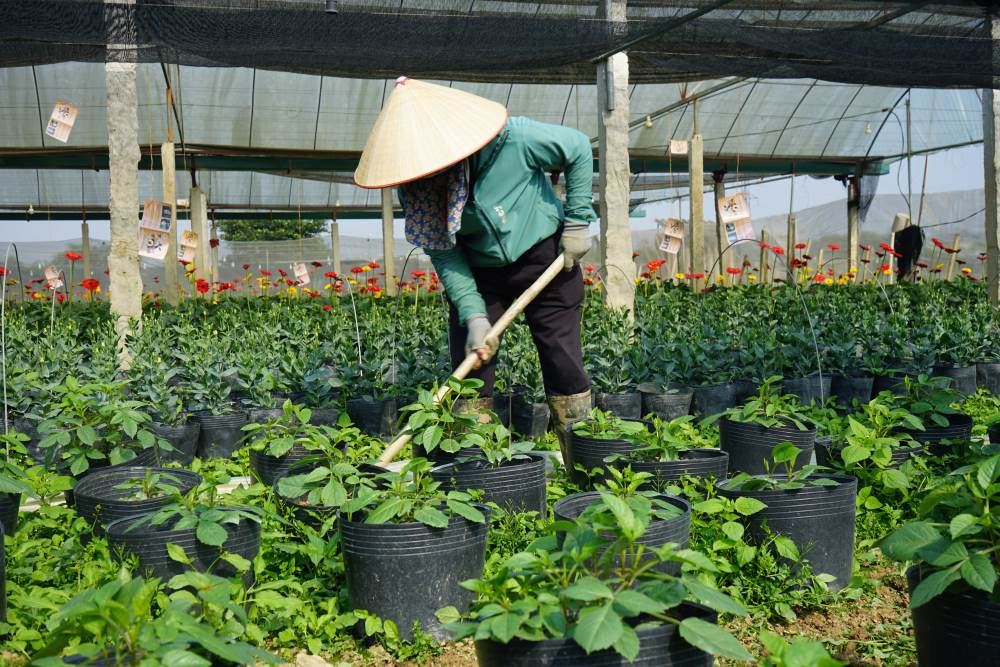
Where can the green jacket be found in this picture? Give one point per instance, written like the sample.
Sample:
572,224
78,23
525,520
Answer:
514,205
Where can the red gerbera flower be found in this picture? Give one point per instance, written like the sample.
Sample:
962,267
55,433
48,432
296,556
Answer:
317,263
833,247
800,246
819,278
3,271
358,269
694,276
331,275
778,250
264,272
588,268
283,273
373,266
884,246
327,307
634,254
246,266
937,242
866,248
733,271
202,285
60,297
73,256
213,243
90,284
922,265
763,244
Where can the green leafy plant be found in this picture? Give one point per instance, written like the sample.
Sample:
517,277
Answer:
799,653
929,399
581,587
411,495
202,511
12,475
781,473
771,409
628,501
277,436
956,534
441,426
669,439
154,484
606,426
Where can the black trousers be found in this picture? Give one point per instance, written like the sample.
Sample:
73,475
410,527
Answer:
553,317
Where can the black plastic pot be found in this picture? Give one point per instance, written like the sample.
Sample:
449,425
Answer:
963,378
659,532
528,418
810,388
183,438
144,458
518,485
374,417
699,462
590,452
827,456
100,503
311,515
818,519
988,376
10,505
263,415
933,436
220,435
502,404
851,389
892,381
955,628
994,435
660,646
749,445
407,571
324,416
269,468
627,405
29,427
711,399
667,406
149,544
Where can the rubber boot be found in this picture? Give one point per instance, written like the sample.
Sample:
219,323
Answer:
563,410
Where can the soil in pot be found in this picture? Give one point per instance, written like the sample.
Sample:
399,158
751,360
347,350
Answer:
10,505
627,405
814,387
407,571
100,502
517,485
149,544
374,417
851,389
988,376
749,445
958,627
220,435
711,399
183,438
963,378
659,532
670,405
659,646
818,519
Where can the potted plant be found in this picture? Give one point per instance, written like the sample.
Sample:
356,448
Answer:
114,493
12,479
158,385
717,385
610,378
194,532
439,430
815,511
953,582
877,434
519,366
220,421
749,432
315,489
407,544
131,621
932,402
505,472
605,600
955,349
802,379
91,425
850,382
601,435
280,442
672,450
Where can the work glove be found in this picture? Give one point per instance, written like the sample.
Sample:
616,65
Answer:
575,242
477,336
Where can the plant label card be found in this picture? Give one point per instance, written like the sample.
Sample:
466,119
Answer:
61,121
53,278
301,272
153,244
156,215
735,214
670,245
674,227
189,244
678,147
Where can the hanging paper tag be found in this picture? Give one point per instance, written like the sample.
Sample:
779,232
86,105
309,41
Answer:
670,245
301,272
156,215
672,235
52,276
678,147
735,214
189,244
61,121
152,243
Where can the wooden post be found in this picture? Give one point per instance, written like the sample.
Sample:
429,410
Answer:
613,179
696,171
719,190
762,268
953,257
790,241
214,251
199,224
388,242
170,197
84,250
819,261
123,153
853,208
335,243
991,164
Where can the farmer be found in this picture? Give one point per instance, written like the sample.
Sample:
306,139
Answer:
476,194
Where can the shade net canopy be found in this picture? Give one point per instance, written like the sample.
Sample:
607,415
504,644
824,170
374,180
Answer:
927,44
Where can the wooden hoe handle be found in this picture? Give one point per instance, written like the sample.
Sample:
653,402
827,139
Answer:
469,363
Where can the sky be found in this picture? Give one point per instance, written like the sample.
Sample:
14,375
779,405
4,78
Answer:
958,169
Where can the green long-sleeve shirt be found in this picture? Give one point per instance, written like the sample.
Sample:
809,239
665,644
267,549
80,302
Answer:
514,206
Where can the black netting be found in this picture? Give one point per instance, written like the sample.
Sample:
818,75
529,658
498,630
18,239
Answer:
867,187
885,43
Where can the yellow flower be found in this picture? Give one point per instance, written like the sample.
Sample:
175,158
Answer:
966,269
887,270
939,266
720,279
679,276
828,281
293,291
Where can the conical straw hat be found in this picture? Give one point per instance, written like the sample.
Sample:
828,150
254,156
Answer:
424,128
